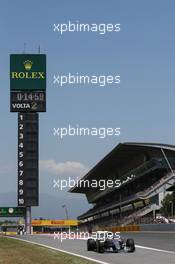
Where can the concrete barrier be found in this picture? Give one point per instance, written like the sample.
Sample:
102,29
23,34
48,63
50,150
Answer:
142,227
129,228
157,227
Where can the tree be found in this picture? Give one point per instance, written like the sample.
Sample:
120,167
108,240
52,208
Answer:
166,208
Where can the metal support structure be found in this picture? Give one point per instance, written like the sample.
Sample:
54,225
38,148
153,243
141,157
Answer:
27,141
120,208
172,209
28,220
154,213
169,165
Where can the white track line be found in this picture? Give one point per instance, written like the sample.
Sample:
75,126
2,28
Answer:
64,251
155,249
81,256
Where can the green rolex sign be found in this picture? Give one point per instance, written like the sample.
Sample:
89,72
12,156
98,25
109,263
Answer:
12,211
27,72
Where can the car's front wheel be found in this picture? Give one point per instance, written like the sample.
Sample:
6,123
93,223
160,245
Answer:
90,244
100,247
130,245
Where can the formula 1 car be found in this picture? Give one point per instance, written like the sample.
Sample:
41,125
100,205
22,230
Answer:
105,241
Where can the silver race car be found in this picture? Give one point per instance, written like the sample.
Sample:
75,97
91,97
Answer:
105,241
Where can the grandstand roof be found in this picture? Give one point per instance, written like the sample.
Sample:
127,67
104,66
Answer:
119,156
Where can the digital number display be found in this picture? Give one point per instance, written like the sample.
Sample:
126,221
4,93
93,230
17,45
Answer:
27,101
27,162
28,96
21,155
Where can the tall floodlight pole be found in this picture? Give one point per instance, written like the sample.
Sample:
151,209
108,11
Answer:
66,211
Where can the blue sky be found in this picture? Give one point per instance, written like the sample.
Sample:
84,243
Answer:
142,53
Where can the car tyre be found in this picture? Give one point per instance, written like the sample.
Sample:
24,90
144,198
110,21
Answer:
100,247
130,245
90,245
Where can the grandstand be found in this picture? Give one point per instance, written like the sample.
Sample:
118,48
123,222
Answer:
146,172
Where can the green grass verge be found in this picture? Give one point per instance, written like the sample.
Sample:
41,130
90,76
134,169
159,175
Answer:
17,252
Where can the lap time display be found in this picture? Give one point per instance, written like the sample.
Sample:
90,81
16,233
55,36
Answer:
28,101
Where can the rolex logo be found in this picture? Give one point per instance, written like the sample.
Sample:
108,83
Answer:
28,73
28,65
